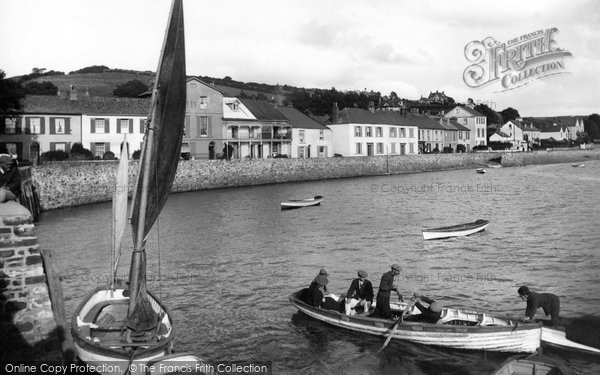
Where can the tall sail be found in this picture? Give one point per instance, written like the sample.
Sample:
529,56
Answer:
159,158
120,204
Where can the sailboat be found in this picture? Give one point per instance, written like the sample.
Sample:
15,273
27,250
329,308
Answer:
124,322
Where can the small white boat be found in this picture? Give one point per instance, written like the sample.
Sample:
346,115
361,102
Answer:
455,230
480,170
458,329
299,203
578,165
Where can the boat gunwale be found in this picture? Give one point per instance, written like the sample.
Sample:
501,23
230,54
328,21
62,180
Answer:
459,227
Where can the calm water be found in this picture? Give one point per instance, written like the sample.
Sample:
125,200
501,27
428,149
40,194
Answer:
230,258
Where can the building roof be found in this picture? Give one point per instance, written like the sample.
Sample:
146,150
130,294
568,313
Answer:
362,116
503,135
471,111
452,124
299,120
42,104
553,129
263,110
529,128
242,112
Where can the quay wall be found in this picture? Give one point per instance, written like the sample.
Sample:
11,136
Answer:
28,325
66,184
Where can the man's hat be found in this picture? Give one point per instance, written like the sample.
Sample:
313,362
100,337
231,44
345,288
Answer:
321,280
362,273
396,267
435,307
323,272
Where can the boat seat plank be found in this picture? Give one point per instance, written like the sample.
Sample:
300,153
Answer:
92,315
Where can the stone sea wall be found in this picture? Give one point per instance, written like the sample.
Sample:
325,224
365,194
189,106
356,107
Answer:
66,184
27,323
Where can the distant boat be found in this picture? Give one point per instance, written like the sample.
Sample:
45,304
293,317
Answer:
299,203
536,364
480,170
455,230
494,165
577,165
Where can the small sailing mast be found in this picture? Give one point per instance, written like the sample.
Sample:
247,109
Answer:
158,163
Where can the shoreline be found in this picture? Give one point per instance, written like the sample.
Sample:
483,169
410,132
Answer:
70,184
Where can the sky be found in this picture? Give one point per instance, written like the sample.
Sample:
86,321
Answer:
409,47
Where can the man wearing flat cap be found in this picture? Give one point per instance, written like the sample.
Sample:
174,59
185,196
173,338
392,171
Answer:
360,295
382,308
322,274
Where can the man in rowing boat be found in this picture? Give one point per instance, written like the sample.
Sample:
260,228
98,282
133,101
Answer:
386,285
429,314
322,273
360,295
548,301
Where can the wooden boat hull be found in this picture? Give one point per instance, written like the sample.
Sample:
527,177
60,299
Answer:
96,344
558,339
299,203
504,338
456,230
480,170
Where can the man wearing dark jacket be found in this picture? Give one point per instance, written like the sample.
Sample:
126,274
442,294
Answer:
548,301
382,308
360,295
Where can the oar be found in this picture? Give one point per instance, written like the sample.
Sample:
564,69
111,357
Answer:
395,326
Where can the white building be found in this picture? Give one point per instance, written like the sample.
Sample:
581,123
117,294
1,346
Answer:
472,119
358,132
310,138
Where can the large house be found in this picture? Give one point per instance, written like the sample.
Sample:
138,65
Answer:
556,132
359,132
474,121
310,138
51,123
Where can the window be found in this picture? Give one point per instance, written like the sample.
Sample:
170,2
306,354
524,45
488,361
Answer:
301,140
11,148
378,132
367,131
34,125
358,148
321,134
411,133
203,102
393,132
358,131
393,148
11,125
124,126
203,126
402,132
59,125
380,148
99,149
99,125
411,147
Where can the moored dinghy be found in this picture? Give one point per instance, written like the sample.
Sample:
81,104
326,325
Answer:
536,364
299,203
455,230
124,324
459,329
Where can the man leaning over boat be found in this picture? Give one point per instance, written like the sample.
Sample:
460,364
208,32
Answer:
547,301
386,285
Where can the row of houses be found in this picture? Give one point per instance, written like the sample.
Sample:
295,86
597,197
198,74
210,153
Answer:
218,126
523,136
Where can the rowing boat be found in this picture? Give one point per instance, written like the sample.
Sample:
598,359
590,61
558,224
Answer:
299,203
480,170
459,329
578,165
558,338
537,364
455,230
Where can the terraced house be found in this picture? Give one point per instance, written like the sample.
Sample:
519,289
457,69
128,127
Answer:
50,123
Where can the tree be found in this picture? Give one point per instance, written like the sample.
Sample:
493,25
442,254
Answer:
130,89
592,125
490,114
509,114
78,152
44,88
11,96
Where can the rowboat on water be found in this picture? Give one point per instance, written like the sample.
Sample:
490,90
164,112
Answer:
123,322
299,203
536,364
480,170
578,165
455,230
458,329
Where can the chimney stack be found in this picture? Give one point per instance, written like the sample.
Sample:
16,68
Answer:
371,106
72,92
